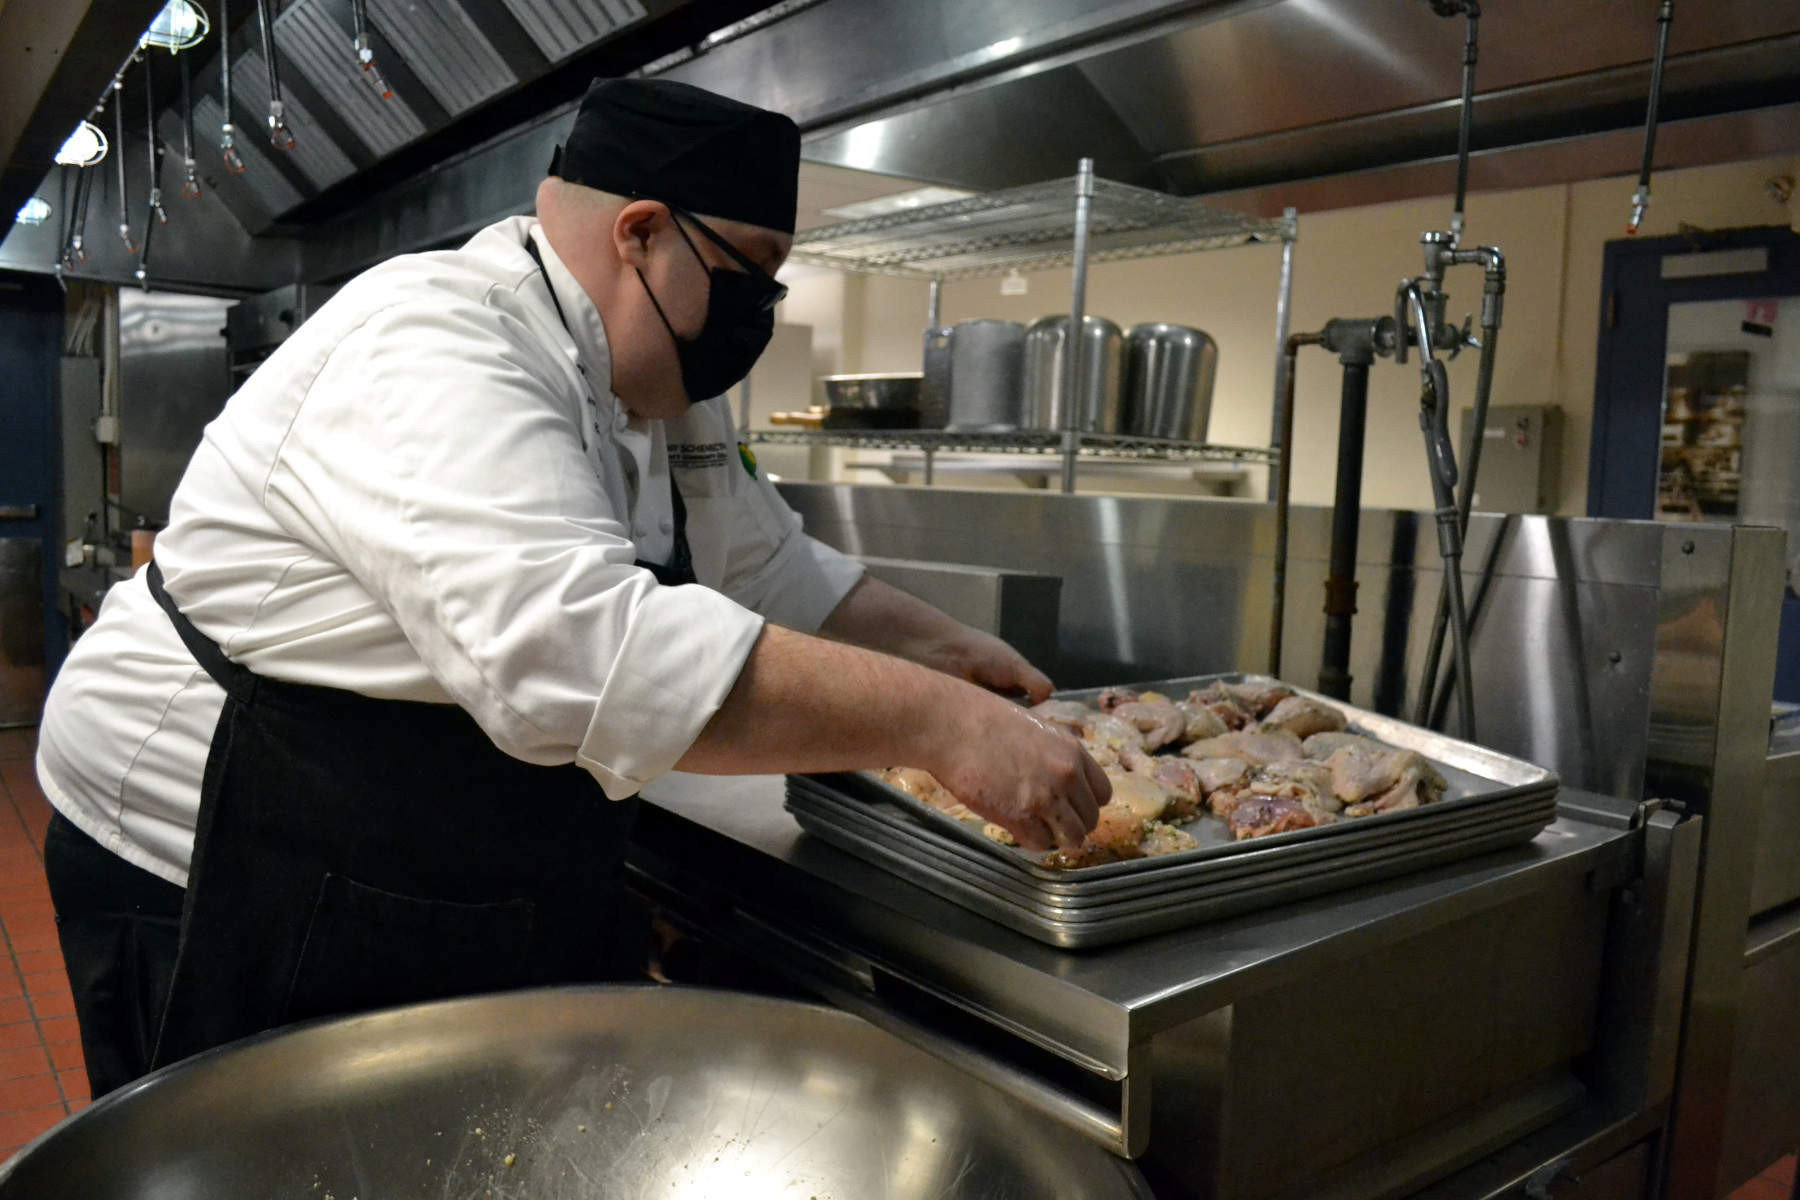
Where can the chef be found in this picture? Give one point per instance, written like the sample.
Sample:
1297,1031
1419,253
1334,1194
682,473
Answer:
473,557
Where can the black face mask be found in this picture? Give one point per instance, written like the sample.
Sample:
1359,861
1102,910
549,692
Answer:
740,319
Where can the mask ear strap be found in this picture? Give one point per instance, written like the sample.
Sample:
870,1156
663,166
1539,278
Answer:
658,307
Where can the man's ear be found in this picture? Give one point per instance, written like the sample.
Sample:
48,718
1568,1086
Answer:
634,228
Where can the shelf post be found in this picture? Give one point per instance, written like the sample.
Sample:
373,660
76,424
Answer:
933,303
1071,389
1284,297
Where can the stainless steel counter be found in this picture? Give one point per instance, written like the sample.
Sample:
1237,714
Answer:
1517,932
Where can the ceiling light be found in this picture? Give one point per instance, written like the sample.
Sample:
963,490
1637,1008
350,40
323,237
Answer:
882,206
35,212
180,25
85,147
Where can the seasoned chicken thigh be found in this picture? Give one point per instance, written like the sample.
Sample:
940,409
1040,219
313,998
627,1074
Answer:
1257,748
1304,718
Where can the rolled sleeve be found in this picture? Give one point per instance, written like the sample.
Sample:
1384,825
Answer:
654,704
457,489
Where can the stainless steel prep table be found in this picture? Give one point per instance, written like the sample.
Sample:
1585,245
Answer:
1078,1034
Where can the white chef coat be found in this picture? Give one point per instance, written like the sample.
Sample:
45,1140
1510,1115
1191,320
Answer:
429,493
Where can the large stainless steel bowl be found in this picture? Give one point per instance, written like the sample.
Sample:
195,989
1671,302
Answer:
566,1094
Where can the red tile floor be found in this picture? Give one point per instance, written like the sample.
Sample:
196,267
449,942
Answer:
42,1078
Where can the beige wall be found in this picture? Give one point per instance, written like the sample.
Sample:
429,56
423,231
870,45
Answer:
1347,263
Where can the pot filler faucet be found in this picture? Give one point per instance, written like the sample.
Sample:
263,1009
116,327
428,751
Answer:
1419,321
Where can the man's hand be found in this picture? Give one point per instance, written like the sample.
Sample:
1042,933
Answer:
805,704
1037,784
882,617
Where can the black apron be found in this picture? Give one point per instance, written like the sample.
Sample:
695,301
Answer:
354,853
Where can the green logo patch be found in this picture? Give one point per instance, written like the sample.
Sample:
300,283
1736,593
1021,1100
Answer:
747,458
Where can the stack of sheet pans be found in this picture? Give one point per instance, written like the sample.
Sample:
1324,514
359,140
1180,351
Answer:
1493,801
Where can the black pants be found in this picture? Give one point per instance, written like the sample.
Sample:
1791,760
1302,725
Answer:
119,926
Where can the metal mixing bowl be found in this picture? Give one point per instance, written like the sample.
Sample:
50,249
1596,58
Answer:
567,1094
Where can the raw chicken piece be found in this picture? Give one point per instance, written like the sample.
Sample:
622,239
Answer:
1304,718
1307,782
1179,776
1166,839
1111,698
1143,795
993,832
1202,722
1322,746
1155,717
1361,771
1259,695
1257,748
1112,733
1418,783
1217,773
1224,704
922,785
1114,838
1261,816
1068,715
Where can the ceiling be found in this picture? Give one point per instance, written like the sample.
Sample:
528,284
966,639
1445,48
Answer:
1259,103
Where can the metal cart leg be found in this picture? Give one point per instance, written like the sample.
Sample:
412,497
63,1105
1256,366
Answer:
1071,438
929,453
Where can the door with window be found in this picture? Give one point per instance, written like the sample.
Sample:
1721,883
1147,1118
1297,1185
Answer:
1697,395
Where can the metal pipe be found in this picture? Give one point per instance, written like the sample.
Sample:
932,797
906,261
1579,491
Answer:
227,135
280,136
1284,476
190,184
1640,199
1473,12
1284,295
1084,204
934,303
1346,515
119,159
155,215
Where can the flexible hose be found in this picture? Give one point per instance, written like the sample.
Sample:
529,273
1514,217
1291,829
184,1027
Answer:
1434,653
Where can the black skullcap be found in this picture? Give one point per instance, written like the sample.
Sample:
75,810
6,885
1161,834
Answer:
656,139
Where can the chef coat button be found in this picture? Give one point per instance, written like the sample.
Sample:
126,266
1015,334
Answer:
641,531
665,524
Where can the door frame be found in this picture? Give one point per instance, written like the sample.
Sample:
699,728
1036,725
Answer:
1625,451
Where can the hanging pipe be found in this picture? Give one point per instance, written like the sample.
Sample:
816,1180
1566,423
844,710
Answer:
1434,407
119,158
155,215
1492,301
1640,200
227,135
1472,11
1284,478
190,185
280,136
365,52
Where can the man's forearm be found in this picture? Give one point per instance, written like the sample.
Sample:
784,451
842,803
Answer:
882,617
809,704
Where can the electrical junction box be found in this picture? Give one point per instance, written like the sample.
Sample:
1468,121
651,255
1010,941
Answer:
1521,458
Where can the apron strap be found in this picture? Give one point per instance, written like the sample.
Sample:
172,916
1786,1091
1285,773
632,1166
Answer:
239,681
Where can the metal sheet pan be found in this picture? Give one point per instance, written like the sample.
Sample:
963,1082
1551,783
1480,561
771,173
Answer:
1078,935
1275,886
1493,801
1529,817
1476,776
1072,886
